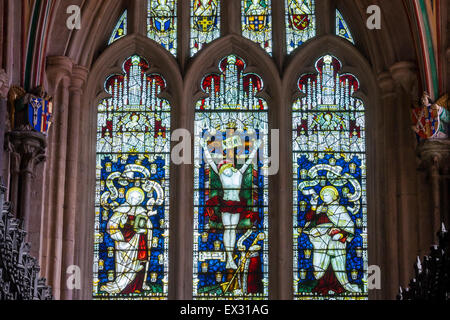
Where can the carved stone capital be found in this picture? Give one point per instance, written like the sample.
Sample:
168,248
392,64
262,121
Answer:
28,149
78,79
434,153
4,84
406,75
386,84
58,68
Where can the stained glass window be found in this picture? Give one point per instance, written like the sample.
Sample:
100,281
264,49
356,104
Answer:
330,205
342,29
120,30
132,189
231,195
257,22
205,23
300,22
162,23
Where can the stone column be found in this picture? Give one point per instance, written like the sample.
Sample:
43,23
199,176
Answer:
4,87
406,78
387,245
184,29
435,159
78,79
28,148
59,73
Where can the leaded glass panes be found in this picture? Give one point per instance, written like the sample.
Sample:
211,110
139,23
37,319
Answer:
120,29
300,22
132,189
342,29
257,22
162,23
231,186
205,23
330,203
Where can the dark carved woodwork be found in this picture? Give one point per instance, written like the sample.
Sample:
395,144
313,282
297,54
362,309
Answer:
432,275
19,272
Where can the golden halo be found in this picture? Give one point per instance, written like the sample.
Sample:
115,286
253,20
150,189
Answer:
134,191
329,189
224,167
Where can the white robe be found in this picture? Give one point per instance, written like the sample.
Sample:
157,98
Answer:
126,253
328,249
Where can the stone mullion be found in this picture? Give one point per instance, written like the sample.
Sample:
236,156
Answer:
184,32
137,17
232,17
325,17
182,211
279,32
281,238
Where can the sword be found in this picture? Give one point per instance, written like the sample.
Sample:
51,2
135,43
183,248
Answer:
260,237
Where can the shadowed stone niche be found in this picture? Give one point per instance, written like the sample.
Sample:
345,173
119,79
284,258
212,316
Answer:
27,149
434,158
4,88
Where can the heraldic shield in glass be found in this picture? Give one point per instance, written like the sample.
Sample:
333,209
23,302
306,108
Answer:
132,190
205,23
257,22
162,23
231,197
300,22
330,212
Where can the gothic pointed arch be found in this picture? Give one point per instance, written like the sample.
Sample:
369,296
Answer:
155,63
350,63
257,61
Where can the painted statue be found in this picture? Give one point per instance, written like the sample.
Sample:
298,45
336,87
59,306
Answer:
431,120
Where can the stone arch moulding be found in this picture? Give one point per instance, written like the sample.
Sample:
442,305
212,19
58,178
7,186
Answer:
303,62
108,63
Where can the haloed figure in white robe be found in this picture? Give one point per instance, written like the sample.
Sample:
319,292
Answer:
131,229
329,236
